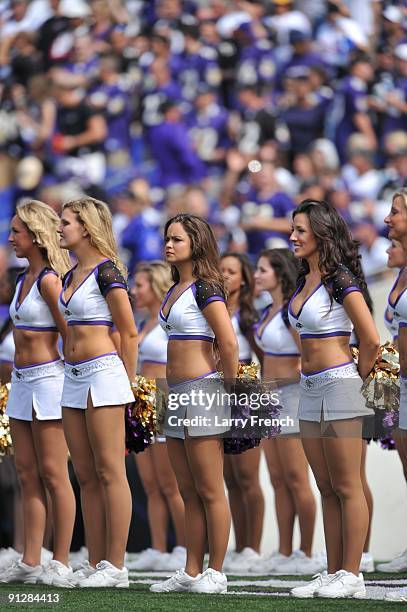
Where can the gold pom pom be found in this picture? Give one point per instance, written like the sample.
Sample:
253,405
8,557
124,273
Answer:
381,389
145,401
6,444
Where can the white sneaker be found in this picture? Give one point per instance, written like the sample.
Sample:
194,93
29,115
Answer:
57,574
230,556
82,572
77,558
343,584
398,564
267,565
211,581
46,556
179,582
147,560
397,595
309,589
244,560
366,563
107,575
171,562
21,572
8,556
300,565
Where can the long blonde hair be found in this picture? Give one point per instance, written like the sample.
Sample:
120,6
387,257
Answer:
42,221
402,193
159,276
96,217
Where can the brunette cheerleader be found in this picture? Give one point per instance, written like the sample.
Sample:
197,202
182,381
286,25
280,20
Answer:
241,472
328,301
97,386
34,404
194,314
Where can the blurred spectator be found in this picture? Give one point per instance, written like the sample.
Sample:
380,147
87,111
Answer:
372,248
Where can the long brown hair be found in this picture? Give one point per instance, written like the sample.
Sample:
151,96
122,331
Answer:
247,311
204,250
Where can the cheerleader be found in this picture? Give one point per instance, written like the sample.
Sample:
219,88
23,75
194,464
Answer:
328,301
97,386
194,314
241,472
397,302
276,273
152,281
7,348
34,404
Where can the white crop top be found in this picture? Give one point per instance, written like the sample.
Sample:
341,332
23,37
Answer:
184,320
275,339
87,305
153,347
32,313
393,313
318,317
245,350
7,349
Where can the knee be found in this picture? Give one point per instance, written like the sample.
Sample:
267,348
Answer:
325,488
296,482
249,484
27,474
51,478
188,493
151,488
277,480
231,483
346,489
86,476
169,489
209,495
107,474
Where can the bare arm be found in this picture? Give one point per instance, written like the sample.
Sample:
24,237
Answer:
119,305
365,328
51,287
218,318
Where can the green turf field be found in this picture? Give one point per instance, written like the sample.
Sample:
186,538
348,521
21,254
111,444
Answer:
245,594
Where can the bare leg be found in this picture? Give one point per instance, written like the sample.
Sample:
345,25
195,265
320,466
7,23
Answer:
331,507
205,458
169,489
156,506
238,507
92,501
247,472
195,520
283,499
295,470
52,453
34,501
106,432
368,494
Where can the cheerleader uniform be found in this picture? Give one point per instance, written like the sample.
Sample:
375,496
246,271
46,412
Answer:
7,349
399,307
103,376
35,387
276,340
391,315
245,350
332,393
203,397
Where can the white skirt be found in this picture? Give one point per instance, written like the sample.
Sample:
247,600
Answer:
199,407
289,401
104,378
332,394
37,388
403,403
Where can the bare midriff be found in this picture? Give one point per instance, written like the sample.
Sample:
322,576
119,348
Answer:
321,353
87,342
188,359
281,369
34,347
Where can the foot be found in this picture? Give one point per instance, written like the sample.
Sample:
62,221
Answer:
171,562
244,560
180,582
301,565
82,572
107,575
21,572
147,560
211,581
343,584
57,574
366,563
264,566
77,558
397,595
398,564
8,556
309,589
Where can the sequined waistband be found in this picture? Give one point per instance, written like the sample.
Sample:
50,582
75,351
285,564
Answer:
37,371
77,370
312,381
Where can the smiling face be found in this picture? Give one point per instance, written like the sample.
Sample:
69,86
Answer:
71,231
177,244
20,238
303,238
397,220
265,276
397,257
142,290
231,269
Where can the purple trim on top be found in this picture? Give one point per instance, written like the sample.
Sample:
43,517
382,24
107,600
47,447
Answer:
392,289
403,324
245,361
341,365
214,298
69,276
41,275
153,361
306,300
259,336
35,365
39,329
349,290
21,281
6,362
281,354
327,335
386,315
112,286
166,299
91,359
182,382
190,337
74,322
